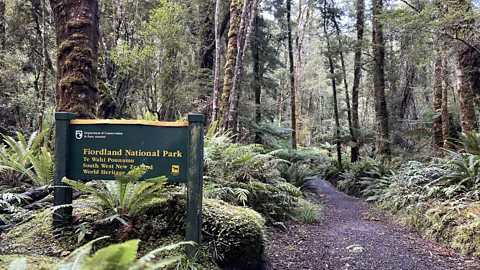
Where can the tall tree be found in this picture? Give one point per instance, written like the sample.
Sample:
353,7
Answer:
2,24
291,74
459,26
77,34
444,107
328,17
43,90
302,24
437,98
345,84
232,52
218,45
381,113
244,33
257,74
357,72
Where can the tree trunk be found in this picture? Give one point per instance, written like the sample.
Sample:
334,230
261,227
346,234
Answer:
244,39
257,84
232,52
437,100
357,72
347,96
291,74
334,84
381,113
77,30
41,107
216,81
465,72
460,29
2,25
444,108
207,36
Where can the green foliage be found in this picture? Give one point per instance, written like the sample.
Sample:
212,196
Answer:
463,176
119,256
125,196
298,175
148,116
307,212
24,157
470,142
367,177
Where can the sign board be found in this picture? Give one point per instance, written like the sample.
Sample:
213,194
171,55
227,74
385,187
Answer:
103,149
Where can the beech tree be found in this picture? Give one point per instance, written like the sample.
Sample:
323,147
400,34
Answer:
77,34
381,113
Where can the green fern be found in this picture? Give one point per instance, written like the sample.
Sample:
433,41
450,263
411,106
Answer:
16,156
125,196
120,256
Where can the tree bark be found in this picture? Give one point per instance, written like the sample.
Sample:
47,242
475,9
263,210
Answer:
466,76
242,47
291,74
357,72
347,95
299,37
444,108
77,31
232,52
437,100
2,25
381,113
216,81
334,86
257,84
41,107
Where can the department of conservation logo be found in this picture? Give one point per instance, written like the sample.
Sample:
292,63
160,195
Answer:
78,134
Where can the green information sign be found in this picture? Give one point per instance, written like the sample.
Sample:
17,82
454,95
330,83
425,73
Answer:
103,149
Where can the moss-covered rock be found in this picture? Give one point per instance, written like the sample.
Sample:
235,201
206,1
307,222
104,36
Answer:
36,237
235,235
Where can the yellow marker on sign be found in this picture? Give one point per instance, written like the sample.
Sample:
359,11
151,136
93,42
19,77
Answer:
175,170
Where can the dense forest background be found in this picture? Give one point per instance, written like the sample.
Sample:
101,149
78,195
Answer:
357,74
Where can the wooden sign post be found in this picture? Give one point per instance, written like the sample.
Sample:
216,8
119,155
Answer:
103,149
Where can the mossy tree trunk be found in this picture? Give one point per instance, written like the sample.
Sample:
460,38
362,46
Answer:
381,113
232,52
437,100
444,108
77,34
245,31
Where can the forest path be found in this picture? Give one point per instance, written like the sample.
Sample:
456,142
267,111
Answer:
352,235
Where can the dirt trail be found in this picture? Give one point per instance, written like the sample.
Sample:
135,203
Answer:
352,235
